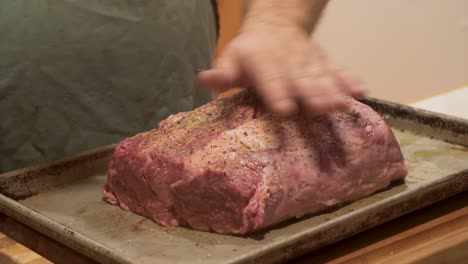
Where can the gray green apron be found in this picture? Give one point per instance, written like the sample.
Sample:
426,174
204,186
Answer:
79,74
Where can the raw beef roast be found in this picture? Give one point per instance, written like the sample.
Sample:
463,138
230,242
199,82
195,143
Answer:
231,167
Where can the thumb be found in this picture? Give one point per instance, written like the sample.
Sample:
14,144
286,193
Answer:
225,75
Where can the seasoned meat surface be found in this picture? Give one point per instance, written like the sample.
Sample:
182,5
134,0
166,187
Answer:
232,167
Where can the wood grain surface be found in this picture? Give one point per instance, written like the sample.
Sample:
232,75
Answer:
11,252
435,234
19,236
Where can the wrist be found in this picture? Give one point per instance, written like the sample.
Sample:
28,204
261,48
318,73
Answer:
301,15
272,24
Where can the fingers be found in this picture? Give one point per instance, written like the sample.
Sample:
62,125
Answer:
284,79
352,86
225,75
321,88
215,80
319,94
271,84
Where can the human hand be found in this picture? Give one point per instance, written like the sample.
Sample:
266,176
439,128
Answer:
287,69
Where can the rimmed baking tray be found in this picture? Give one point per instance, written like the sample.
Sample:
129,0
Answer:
63,201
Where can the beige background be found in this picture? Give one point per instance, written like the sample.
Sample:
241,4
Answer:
403,49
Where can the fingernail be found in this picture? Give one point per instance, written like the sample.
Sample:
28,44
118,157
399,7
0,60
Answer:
285,107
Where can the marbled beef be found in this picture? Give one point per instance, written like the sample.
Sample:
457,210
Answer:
231,167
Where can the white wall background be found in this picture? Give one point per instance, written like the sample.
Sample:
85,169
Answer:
402,49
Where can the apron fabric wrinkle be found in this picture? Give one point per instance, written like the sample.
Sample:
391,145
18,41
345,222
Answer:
80,74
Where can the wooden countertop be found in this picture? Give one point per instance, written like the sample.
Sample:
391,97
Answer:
11,252
435,234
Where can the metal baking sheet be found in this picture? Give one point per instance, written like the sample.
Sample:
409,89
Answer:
63,201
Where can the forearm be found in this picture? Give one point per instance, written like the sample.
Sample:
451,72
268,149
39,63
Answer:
301,13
